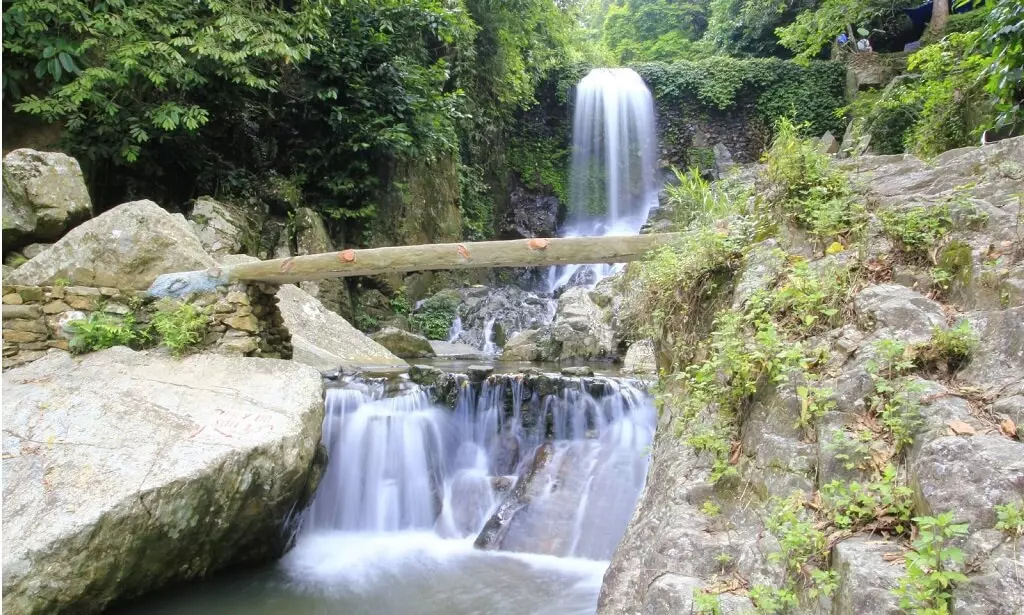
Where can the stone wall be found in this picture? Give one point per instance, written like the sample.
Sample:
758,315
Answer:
244,320
687,134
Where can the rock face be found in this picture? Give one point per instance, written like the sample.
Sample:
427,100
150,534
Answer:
311,237
963,452
126,247
325,340
125,471
526,345
530,214
225,228
44,195
403,344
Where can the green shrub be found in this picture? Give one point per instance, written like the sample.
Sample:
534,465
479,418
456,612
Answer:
927,587
808,302
855,505
100,331
435,317
896,399
803,184
1010,519
180,328
695,200
916,230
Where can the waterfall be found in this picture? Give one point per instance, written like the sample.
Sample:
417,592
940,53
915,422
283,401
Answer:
403,463
614,156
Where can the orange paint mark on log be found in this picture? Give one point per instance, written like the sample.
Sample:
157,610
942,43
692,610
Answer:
537,243
287,265
347,256
463,252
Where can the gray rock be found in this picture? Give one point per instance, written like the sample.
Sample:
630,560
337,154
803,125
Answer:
529,214
905,314
578,371
525,346
311,237
865,579
125,471
44,195
999,357
828,143
723,159
762,266
479,373
225,228
325,340
581,327
33,250
968,476
126,247
403,343
640,358
672,594
997,588
450,350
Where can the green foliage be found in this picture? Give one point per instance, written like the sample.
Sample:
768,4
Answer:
808,302
949,95
950,348
853,450
435,317
710,509
180,327
400,304
476,204
803,184
814,403
916,230
100,330
646,30
769,87
705,603
1003,40
542,164
883,503
896,399
1010,519
695,200
803,554
927,587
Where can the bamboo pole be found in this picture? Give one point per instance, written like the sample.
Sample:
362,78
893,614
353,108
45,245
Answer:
483,254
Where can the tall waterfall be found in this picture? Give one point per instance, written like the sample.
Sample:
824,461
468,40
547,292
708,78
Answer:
614,156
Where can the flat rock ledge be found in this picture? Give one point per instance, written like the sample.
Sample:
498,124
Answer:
125,471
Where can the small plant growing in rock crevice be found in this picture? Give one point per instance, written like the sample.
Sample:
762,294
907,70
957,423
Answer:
1010,519
949,349
927,587
180,327
881,504
705,603
896,400
100,330
435,317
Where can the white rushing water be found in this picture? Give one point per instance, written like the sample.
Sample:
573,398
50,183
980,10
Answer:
614,156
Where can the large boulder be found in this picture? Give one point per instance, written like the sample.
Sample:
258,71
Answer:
126,247
640,358
526,345
125,471
403,344
44,195
896,310
327,341
581,328
530,214
226,228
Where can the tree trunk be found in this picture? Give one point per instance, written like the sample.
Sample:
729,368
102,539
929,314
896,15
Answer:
940,15
401,259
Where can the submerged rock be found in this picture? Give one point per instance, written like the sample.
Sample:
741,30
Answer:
125,471
496,528
126,247
403,343
44,195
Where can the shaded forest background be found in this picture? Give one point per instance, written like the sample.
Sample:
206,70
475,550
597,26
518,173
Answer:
346,105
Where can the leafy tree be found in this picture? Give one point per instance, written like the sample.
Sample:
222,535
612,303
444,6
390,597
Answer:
813,30
646,30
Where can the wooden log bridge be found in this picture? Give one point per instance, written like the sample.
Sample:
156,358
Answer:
536,252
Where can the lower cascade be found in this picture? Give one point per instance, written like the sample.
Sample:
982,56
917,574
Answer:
511,503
